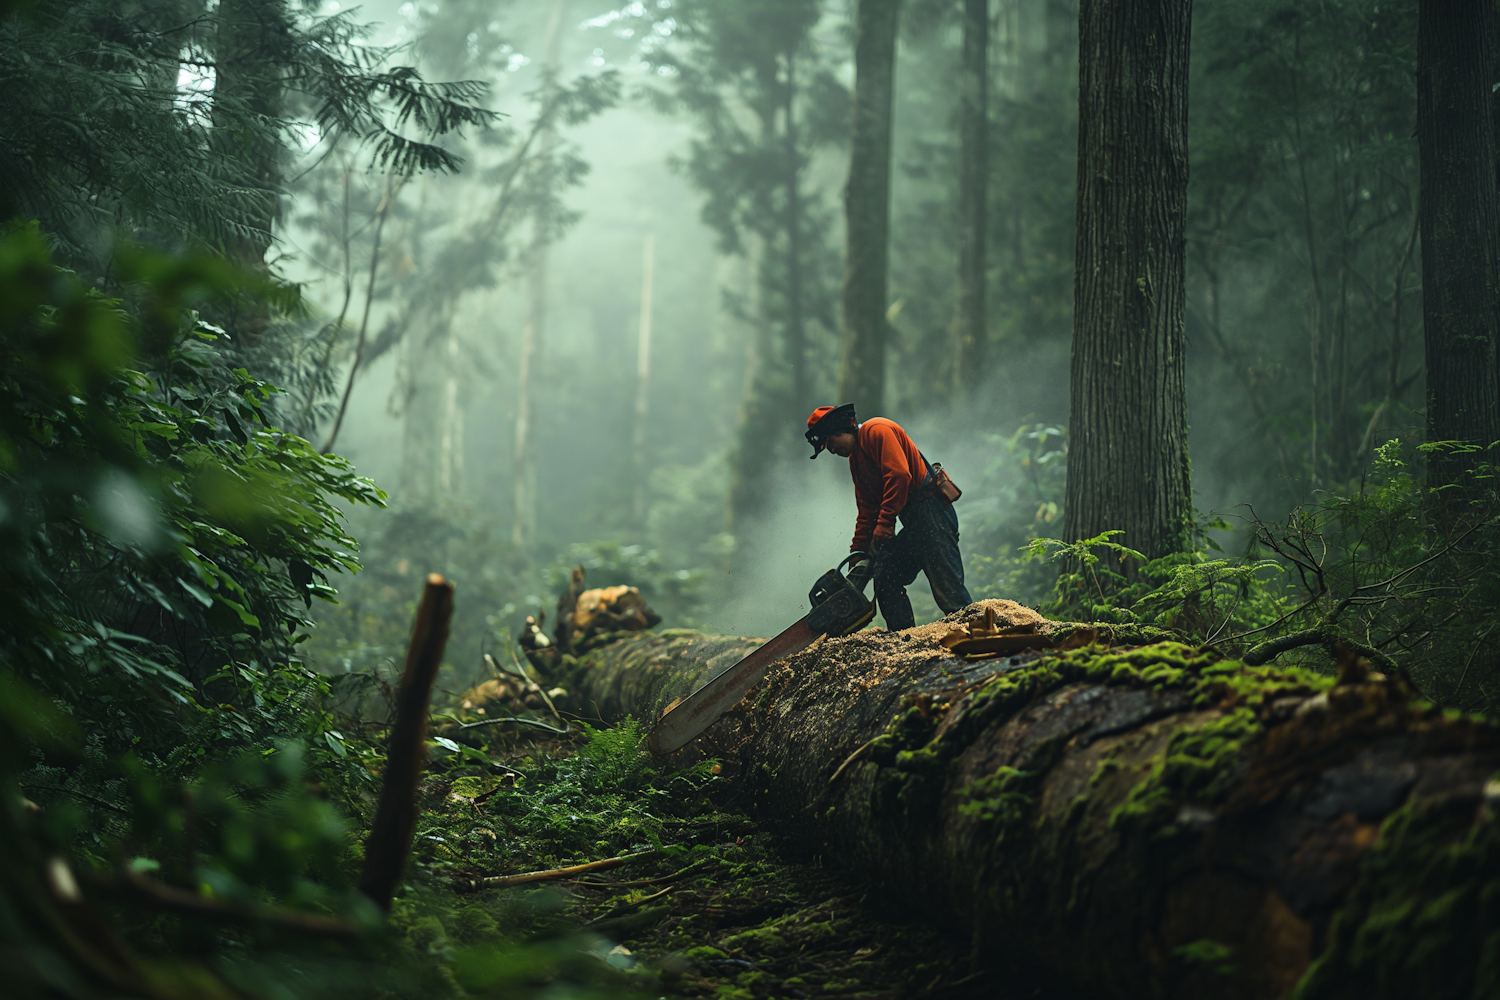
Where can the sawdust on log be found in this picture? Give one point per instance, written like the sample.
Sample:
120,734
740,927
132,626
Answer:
866,658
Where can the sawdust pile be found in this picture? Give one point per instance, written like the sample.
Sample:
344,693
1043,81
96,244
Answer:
864,659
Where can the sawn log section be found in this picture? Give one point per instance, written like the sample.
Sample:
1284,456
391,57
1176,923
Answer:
1152,821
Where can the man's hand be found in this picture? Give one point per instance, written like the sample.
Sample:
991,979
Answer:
860,573
877,543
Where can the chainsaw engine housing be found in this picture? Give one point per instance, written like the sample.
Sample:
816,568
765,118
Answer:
837,608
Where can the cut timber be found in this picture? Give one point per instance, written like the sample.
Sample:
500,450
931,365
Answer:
1140,822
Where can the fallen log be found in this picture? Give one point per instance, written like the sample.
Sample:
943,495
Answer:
1136,821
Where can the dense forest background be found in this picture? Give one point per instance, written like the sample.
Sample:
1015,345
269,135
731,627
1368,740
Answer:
1303,308
303,302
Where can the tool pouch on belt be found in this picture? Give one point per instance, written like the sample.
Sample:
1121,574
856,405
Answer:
937,481
940,484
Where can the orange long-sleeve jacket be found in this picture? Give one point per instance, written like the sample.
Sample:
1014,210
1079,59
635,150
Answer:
886,468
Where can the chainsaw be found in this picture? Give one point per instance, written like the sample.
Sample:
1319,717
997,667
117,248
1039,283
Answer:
839,607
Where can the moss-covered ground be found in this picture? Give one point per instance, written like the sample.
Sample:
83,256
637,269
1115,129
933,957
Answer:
713,907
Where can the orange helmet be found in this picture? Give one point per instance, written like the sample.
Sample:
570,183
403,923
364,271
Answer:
825,422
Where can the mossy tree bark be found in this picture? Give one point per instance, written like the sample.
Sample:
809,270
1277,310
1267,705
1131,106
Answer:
1139,822
1128,450
867,209
1459,219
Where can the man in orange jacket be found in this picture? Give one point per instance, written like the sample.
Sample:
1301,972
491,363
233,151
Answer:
893,481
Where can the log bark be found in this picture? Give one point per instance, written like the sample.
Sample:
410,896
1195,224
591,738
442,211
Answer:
1147,821
1128,447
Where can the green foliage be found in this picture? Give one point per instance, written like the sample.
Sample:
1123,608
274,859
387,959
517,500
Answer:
159,531
1403,574
103,132
246,830
603,799
1017,499
1100,579
1406,574
162,544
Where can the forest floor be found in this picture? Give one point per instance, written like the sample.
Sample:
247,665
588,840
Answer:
720,908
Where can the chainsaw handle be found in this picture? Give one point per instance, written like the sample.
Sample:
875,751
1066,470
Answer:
853,557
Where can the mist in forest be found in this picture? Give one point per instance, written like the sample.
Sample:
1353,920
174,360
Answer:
343,341
689,459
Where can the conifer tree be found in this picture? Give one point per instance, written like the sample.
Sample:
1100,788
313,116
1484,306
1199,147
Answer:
969,318
867,209
1459,216
764,100
1128,453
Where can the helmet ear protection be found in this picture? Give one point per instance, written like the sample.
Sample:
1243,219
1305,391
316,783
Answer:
825,422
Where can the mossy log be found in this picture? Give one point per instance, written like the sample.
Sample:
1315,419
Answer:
1136,821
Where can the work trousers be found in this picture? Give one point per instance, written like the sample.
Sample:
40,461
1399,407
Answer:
927,543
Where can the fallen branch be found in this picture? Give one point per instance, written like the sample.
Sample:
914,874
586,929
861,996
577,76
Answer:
1271,648
83,796
502,881
134,887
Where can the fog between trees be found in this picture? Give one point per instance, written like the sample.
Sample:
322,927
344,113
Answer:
300,303
1300,278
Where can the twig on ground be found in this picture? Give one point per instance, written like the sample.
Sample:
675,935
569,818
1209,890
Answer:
693,868
501,881
850,760
624,908
519,722
539,689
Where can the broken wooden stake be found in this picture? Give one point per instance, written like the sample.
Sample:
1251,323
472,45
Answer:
389,842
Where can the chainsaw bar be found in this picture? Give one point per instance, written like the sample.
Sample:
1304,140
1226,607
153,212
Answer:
681,723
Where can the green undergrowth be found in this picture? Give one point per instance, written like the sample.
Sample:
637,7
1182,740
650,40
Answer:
594,796
738,920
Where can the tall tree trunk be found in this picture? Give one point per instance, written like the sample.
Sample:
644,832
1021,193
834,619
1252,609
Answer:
1456,144
451,440
523,468
251,41
523,471
969,325
1128,450
1140,822
758,432
867,209
796,331
643,375
426,430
